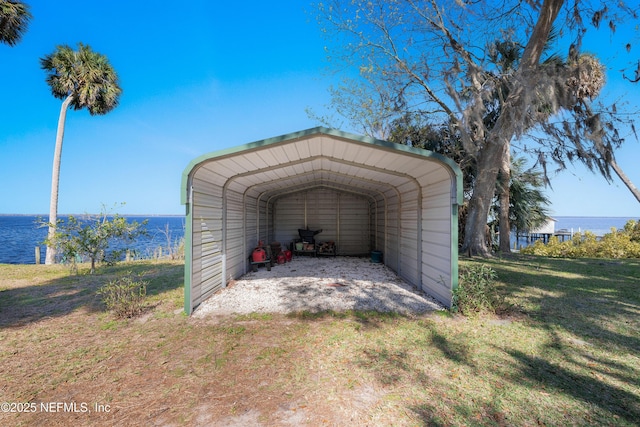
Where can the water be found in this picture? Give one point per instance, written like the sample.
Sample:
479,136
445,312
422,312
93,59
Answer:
595,224
20,234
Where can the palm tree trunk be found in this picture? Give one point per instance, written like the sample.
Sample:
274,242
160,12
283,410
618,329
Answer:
55,183
624,178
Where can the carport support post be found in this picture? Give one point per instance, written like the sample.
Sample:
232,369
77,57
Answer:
338,223
419,207
305,210
223,244
454,245
188,256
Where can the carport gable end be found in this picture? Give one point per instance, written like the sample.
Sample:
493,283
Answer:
366,194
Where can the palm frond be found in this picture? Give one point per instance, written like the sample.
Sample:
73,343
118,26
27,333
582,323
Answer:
83,74
14,20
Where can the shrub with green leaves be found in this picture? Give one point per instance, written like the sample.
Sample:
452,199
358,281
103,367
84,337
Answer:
476,291
93,237
125,297
624,243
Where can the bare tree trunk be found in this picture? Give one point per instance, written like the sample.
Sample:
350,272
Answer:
484,188
624,178
55,182
505,201
490,158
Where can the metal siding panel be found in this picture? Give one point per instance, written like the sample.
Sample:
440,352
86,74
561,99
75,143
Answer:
207,188
440,201
208,264
436,286
440,238
354,225
206,236
207,201
434,176
288,217
217,172
204,180
322,212
391,255
438,266
207,212
408,188
436,225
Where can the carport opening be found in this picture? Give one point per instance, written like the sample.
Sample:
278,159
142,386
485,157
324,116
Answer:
365,194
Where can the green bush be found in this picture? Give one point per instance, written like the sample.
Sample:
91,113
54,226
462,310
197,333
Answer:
623,243
125,297
476,291
93,237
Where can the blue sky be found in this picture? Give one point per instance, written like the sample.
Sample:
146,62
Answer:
197,76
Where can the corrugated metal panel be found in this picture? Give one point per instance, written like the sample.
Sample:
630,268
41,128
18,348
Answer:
436,284
207,242
343,218
354,225
288,217
391,249
322,213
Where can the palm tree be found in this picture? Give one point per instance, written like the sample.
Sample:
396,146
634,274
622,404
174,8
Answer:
529,205
14,18
82,79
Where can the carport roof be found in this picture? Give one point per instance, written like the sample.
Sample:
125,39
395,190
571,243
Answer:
320,157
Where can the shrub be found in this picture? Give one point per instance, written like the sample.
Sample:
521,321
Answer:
124,296
623,243
476,291
92,237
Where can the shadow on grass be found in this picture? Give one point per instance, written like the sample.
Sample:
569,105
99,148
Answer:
537,372
588,311
366,318
595,300
22,305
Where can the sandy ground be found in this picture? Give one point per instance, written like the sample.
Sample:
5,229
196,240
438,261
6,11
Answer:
319,284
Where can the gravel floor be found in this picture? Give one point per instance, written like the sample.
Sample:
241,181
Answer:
319,284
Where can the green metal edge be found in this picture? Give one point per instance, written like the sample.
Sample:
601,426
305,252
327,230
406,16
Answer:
454,250
188,256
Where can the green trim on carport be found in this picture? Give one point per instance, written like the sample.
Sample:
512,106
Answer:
188,256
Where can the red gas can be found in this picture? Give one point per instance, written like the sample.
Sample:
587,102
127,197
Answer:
281,258
259,255
288,254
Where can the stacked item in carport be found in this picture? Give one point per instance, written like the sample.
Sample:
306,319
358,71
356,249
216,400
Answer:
326,248
306,244
281,256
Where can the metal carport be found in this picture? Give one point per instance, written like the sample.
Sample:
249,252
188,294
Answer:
365,194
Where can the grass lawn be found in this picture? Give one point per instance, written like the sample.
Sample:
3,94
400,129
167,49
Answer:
567,354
